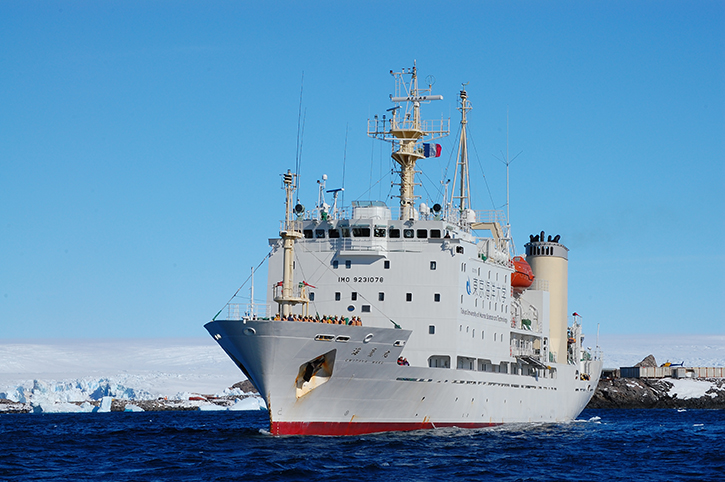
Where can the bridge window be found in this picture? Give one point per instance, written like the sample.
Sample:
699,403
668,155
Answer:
361,231
319,233
379,232
345,230
333,233
435,233
394,233
408,233
422,233
307,233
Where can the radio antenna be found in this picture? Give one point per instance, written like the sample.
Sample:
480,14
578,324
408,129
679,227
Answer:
300,133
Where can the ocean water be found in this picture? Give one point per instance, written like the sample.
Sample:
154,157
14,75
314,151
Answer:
612,445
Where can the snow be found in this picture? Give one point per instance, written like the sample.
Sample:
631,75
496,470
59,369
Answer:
51,374
687,388
628,350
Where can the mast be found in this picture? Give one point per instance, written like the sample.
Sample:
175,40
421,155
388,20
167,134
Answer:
288,298
405,130
464,185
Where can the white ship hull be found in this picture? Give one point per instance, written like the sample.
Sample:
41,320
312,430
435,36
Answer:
367,391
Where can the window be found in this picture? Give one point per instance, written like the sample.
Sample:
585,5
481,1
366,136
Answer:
361,231
431,329
408,296
307,233
333,233
408,233
381,296
345,231
386,264
422,233
432,265
459,249
435,233
334,264
394,233
353,296
379,232
319,233
439,361
366,308
348,264
312,296
337,296
437,297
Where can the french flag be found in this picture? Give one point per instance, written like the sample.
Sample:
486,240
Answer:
432,150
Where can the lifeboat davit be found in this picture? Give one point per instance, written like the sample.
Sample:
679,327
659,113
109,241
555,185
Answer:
523,276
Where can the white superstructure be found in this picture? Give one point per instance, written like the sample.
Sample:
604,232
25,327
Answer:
437,286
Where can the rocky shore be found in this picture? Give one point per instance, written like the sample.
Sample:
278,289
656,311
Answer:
657,393
616,392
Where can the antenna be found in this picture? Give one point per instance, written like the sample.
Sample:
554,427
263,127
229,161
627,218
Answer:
252,313
300,133
344,158
508,162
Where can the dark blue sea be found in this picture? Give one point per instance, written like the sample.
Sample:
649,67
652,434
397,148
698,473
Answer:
625,445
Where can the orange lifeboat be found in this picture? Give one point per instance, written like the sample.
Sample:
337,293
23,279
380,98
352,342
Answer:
523,276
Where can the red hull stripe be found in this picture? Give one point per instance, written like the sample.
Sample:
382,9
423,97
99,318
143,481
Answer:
359,428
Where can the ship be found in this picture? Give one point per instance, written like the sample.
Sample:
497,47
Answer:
412,317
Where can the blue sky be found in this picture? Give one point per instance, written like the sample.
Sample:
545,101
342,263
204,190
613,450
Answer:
141,143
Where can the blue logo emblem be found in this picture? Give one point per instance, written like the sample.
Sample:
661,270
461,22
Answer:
468,286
